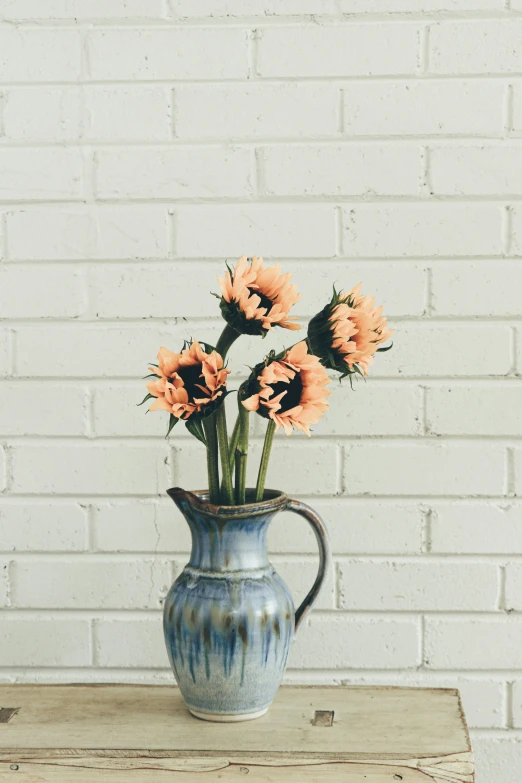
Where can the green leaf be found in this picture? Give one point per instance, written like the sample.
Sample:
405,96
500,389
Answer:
195,427
173,420
383,350
147,397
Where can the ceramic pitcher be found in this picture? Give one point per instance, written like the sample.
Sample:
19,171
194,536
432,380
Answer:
229,618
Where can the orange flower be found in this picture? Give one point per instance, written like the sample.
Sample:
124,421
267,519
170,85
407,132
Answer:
188,382
291,391
255,299
348,332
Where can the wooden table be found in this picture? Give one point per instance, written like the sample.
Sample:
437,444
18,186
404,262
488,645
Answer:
126,733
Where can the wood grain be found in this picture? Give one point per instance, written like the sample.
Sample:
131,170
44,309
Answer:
86,734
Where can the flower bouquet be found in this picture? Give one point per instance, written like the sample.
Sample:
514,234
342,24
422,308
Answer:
229,618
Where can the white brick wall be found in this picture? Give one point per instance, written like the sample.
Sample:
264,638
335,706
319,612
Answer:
379,141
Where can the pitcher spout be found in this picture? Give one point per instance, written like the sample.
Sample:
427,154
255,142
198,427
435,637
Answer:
183,498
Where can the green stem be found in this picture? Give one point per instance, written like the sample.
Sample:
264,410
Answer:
265,456
242,452
237,478
226,339
222,437
232,446
209,425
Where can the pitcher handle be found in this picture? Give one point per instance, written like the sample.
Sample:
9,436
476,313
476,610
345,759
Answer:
321,534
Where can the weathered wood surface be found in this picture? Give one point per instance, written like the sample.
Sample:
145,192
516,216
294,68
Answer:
140,734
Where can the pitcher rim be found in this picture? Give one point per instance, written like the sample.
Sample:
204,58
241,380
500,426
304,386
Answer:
274,500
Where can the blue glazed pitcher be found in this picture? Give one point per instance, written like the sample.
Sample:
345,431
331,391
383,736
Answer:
229,618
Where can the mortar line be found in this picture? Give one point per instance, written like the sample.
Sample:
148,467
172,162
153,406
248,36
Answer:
339,232
422,643
253,54
508,111
507,231
172,112
427,530
3,101
510,472
509,706
341,123
424,50
259,168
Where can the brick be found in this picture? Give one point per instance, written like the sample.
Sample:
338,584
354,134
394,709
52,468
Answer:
127,113
28,10
140,526
462,643
371,410
89,469
488,47
52,410
43,527
399,287
41,642
425,469
5,353
90,584
473,170
177,173
476,288
517,231
38,174
225,231
300,575
255,111
381,644
497,757
79,351
477,529
422,108
150,54
66,233
237,8
401,230
31,292
473,410
314,466
338,50
480,349
157,291
348,170
42,114
419,587
43,55
130,644
115,413
513,587
371,528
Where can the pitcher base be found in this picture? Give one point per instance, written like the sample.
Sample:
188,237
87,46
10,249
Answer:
219,717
